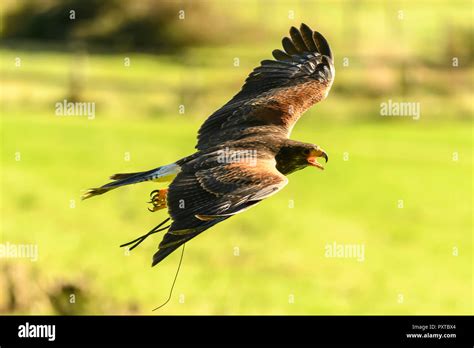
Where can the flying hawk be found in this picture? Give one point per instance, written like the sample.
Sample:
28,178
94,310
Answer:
243,151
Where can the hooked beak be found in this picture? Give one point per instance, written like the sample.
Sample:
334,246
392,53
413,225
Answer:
313,157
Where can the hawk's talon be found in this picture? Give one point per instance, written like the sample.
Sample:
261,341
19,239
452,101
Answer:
158,199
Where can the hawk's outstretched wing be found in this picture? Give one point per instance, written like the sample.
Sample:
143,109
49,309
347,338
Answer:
208,191
276,93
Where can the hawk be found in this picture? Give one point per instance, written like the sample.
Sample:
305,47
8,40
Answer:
243,152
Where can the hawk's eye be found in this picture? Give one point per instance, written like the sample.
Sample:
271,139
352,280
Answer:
306,151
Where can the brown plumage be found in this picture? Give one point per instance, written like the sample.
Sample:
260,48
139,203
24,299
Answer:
243,151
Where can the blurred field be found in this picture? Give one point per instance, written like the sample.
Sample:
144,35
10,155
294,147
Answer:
409,252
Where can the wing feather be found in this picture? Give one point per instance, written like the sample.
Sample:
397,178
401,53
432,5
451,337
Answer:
207,192
298,40
289,47
307,35
276,93
280,55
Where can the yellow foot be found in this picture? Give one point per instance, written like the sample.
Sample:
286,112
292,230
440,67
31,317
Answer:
158,199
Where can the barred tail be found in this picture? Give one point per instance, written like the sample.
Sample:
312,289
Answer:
163,173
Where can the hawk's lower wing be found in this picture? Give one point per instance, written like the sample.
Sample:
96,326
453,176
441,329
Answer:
200,198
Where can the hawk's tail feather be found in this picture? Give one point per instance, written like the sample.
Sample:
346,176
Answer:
121,176
94,192
119,180
161,174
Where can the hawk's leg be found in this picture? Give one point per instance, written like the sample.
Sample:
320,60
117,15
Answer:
158,199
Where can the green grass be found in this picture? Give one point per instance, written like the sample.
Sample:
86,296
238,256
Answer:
408,251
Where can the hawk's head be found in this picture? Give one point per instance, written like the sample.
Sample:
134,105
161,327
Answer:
294,156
